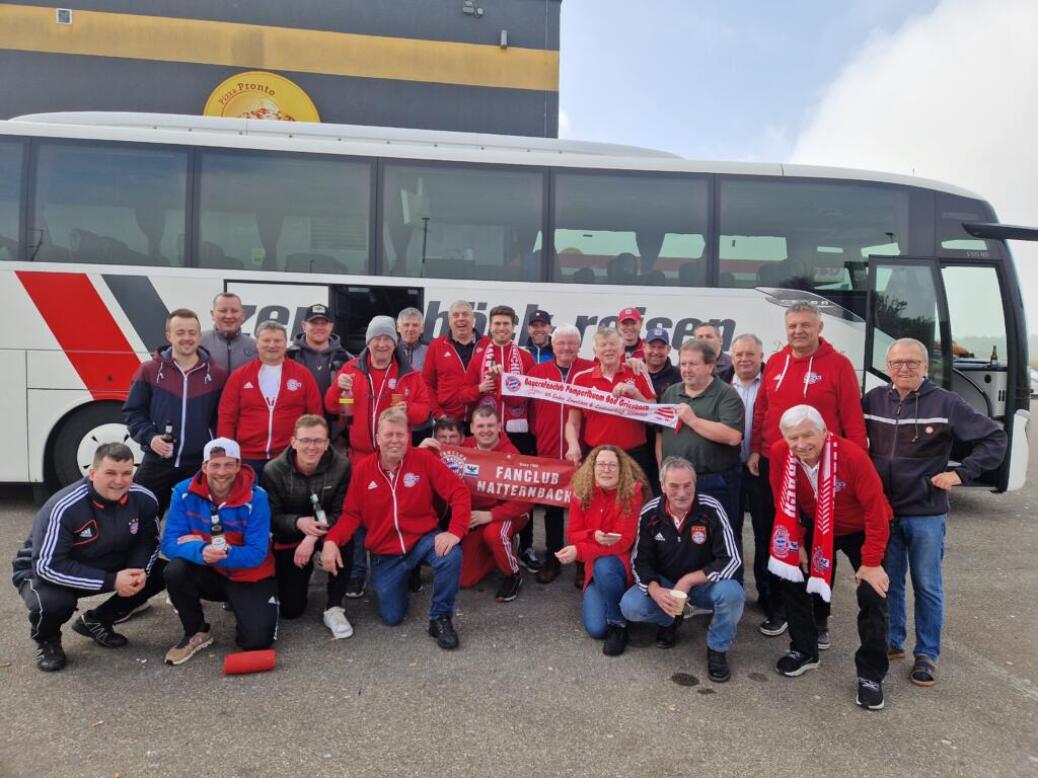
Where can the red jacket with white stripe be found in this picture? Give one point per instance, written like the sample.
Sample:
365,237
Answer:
444,374
604,514
398,509
263,431
513,411
500,510
548,419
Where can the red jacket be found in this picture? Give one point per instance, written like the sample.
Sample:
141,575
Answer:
513,411
860,504
548,419
500,510
398,510
405,381
265,431
602,513
444,374
825,380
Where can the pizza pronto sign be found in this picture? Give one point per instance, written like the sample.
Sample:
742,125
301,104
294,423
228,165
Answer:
260,95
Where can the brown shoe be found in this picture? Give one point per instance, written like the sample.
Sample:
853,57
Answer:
188,646
550,571
578,579
894,653
924,671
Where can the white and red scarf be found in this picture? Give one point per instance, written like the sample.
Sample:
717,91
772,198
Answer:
512,416
787,536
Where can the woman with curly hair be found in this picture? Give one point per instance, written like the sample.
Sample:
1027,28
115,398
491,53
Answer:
608,492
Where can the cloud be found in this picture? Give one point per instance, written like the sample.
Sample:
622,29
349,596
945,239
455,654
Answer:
951,95
565,126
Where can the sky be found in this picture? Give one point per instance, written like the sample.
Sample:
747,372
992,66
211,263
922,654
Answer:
943,89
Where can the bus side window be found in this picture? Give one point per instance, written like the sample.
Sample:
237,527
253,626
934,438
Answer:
10,192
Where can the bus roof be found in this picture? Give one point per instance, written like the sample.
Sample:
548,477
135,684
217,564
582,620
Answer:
412,143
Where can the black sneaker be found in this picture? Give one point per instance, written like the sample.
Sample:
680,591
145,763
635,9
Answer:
773,626
135,612
442,629
49,656
509,588
530,560
870,694
102,634
667,637
615,640
793,663
717,666
355,588
824,641
414,581
549,571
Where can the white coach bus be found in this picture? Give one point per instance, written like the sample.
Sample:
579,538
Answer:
108,221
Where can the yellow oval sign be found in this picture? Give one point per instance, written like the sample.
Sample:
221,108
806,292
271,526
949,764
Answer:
260,95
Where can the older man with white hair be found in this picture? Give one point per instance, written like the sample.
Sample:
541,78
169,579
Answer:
912,425
828,497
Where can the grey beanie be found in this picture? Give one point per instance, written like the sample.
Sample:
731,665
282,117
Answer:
381,325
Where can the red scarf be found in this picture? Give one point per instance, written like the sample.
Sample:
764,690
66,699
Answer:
513,417
788,534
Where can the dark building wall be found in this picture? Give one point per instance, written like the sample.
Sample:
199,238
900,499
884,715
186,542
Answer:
38,81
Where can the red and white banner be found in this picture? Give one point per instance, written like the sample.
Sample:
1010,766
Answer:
588,399
510,476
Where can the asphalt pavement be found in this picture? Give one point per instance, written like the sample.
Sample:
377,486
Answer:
528,693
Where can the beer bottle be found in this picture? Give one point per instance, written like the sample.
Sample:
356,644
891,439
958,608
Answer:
994,354
319,514
346,404
216,536
167,434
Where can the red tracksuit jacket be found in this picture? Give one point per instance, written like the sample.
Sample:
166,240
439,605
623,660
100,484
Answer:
512,411
860,504
826,380
548,419
406,382
444,375
398,510
265,431
500,510
602,513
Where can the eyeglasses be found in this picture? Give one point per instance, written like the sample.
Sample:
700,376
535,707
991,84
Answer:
911,364
608,465
312,441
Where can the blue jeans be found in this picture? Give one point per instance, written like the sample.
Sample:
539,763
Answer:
726,488
360,555
602,596
917,546
389,575
726,597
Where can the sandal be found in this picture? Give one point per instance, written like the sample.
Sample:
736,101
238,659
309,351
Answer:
924,671
893,652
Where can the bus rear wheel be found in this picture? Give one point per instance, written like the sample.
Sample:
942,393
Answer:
81,434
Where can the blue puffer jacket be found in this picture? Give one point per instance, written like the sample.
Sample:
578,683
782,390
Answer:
162,393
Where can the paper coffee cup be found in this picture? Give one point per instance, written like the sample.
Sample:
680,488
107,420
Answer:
681,597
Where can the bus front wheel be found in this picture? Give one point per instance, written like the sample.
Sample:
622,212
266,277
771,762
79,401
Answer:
80,435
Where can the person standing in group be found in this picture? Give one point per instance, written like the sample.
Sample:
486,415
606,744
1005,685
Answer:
912,425
685,552
391,494
306,485
318,348
538,337
629,325
828,498
808,370
99,534
755,492
410,326
608,492
227,344
593,428
495,523
712,417
376,380
549,425
262,399
710,333
663,374
217,541
447,361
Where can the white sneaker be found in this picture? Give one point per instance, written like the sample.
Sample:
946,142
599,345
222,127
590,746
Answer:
335,620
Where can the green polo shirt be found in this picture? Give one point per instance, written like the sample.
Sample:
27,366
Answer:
720,402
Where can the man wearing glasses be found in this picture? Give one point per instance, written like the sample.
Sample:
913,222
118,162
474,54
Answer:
306,485
912,425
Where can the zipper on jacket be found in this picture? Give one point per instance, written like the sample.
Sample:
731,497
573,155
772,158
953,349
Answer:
396,510
183,415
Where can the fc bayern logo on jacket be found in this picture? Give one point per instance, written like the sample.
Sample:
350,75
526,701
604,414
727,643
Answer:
410,479
292,384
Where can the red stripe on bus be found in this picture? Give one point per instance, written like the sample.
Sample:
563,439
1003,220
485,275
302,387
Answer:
85,330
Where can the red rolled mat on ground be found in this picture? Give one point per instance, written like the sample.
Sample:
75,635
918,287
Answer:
249,662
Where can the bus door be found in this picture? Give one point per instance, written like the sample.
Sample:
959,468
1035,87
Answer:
957,311
353,306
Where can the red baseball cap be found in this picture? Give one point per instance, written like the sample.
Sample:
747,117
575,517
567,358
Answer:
629,313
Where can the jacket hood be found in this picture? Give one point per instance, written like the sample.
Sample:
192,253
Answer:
241,489
165,357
